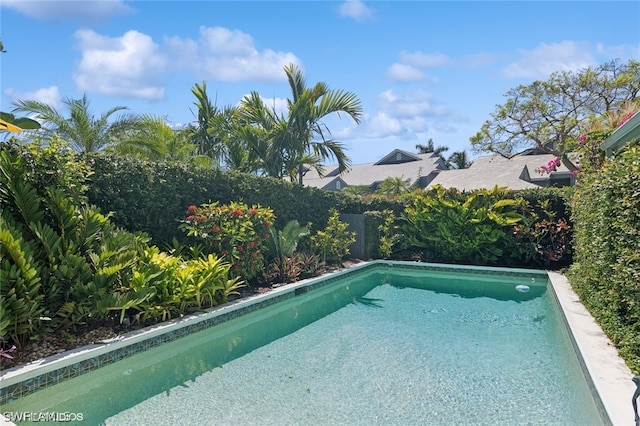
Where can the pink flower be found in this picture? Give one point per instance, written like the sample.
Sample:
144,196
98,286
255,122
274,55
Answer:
626,118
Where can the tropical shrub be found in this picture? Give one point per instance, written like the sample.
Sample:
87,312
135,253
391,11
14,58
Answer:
389,234
542,239
165,286
452,227
298,266
63,264
284,264
235,232
58,259
334,240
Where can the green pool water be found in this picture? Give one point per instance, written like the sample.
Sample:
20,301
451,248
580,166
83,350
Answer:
388,346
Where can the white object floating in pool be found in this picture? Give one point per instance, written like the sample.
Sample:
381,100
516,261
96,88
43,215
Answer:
522,288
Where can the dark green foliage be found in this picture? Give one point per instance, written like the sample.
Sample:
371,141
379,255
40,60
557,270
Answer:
64,264
606,271
284,263
452,227
284,242
543,237
334,240
152,197
68,256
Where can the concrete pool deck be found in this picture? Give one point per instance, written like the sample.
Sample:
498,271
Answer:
610,376
609,373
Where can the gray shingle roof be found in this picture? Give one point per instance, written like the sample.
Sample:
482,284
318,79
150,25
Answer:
397,164
518,172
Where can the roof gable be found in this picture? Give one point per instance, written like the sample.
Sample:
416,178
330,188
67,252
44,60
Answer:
419,169
397,156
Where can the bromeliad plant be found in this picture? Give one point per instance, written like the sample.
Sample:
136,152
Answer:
235,232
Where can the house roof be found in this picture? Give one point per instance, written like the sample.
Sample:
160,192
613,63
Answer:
517,172
398,163
623,135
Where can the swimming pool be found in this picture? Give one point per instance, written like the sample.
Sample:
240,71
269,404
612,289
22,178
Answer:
390,343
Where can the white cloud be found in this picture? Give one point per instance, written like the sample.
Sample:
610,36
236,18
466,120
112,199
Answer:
405,73
85,12
120,66
423,60
416,103
405,116
383,125
133,64
548,58
228,55
480,59
410,65
49,95
355,9
610,52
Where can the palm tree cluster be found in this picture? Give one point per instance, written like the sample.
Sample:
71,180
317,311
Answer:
457,160
251,137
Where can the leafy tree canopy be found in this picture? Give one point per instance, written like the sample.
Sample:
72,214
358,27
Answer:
551,115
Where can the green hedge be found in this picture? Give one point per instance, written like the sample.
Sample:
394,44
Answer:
606,269
543,239
153,197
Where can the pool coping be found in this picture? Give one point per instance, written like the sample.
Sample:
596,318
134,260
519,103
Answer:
609,375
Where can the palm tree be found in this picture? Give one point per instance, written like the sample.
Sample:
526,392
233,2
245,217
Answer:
394,186
430,148
82,129
265,135
300,139
459,160
153,139
208,141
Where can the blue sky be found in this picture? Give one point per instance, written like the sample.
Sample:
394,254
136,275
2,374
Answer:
422,69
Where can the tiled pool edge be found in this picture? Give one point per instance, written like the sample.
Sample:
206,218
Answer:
608,372
18,382
21,381
614,387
